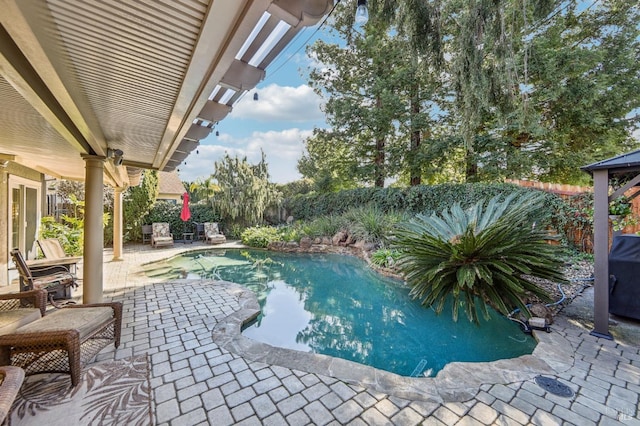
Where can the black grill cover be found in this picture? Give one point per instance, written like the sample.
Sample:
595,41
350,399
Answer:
624,274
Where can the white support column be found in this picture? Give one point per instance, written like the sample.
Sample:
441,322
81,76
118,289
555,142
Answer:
601,253
93,230
117,224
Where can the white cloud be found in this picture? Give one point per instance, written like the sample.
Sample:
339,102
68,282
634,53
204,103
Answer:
283,103
283,149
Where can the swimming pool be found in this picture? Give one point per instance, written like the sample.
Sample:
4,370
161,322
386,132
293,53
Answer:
337,306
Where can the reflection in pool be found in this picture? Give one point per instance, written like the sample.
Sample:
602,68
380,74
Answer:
335,305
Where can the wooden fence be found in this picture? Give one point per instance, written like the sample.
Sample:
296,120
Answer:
582,236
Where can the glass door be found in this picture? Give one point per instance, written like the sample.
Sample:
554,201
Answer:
24,220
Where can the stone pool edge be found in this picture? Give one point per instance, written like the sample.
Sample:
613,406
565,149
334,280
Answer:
456,382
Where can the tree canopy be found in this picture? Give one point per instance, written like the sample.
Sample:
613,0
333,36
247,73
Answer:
245,191
474,90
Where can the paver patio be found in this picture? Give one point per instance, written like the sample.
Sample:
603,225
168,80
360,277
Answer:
197,381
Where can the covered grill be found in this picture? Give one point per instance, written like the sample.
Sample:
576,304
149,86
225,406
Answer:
624,276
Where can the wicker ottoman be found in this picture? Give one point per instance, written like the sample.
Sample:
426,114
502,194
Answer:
63,341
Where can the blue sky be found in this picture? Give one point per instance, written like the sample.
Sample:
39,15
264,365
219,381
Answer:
285,114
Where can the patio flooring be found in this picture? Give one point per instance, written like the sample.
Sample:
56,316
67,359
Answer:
204,372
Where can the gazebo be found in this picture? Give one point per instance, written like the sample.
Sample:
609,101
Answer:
626,167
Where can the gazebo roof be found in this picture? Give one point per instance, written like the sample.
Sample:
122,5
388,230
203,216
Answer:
624,163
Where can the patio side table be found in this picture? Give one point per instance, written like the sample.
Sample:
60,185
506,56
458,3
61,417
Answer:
187,236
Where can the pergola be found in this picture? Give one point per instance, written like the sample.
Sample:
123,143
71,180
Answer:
99,90
627,167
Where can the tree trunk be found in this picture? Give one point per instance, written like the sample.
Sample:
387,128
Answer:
471,165
379,162
380,154
415,166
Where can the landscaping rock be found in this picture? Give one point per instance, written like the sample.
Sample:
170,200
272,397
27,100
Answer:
275,245
305,243
340,237
350,240
541,311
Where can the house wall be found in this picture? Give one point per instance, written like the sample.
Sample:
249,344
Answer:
7,271
171,198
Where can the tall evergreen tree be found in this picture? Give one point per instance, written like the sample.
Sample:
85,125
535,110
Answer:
137,202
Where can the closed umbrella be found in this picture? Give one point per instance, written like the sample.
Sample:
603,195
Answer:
185,214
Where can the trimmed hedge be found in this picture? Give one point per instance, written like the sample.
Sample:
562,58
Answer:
415,199
425,199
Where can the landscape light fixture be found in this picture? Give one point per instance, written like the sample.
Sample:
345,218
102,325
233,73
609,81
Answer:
255,96
362,12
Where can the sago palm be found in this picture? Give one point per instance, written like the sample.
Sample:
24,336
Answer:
482,253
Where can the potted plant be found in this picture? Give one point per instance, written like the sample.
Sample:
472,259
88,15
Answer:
620,207
619,210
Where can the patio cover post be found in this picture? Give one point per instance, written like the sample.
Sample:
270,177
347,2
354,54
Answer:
601,253
93,237
117,223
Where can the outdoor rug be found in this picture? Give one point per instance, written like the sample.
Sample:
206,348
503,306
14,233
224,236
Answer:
110,393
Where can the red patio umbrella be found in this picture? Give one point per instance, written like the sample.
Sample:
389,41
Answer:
185,214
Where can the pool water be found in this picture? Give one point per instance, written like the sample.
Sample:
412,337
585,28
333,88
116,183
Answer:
336,305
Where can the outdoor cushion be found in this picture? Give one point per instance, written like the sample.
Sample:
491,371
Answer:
162,239
85,320
161,229
13,319
52,280
51,248
216,238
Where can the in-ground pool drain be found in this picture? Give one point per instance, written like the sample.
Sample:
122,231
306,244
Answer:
553,386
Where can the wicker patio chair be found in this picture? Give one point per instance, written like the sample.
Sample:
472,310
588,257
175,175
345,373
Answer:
161,235
212,233
56,280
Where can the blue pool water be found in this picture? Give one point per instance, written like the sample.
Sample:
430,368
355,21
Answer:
335,305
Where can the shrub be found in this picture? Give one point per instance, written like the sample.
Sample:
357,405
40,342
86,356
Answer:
291,233
70,231
323,226
367,223
385,257
486,252
70,234
415,199
164,211
260,236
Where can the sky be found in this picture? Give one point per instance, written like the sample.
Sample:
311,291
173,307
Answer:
286,112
